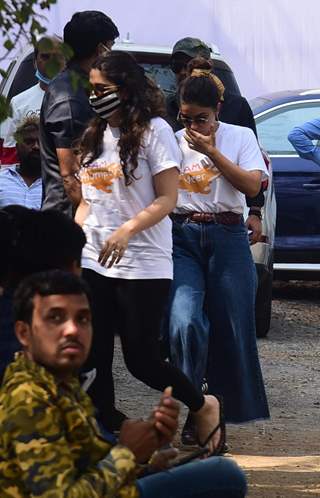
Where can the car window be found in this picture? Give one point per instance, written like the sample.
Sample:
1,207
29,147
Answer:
273,128
162,75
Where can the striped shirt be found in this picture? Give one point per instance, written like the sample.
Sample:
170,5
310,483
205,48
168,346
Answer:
14,190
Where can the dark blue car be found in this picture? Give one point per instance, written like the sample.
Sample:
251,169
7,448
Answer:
296,181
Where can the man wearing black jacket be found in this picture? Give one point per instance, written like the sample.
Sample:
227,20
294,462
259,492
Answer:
234,110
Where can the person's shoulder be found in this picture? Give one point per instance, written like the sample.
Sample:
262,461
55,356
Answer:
234,97
25,398
7,171
179,134
157,123
232,129
62,87
158,126
21,98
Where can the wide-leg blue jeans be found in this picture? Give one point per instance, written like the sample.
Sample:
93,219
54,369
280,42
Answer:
216,477
212,317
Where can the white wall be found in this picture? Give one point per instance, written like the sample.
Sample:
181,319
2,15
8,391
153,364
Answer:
270,44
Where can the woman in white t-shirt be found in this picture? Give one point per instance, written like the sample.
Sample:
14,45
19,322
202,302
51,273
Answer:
129,175
213,292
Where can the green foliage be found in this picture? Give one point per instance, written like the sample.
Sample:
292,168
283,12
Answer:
20,19
5,108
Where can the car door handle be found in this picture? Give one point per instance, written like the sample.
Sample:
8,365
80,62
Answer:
311,186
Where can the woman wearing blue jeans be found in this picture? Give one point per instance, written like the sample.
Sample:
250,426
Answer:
213,293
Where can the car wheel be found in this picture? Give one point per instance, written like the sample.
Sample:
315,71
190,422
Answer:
264,303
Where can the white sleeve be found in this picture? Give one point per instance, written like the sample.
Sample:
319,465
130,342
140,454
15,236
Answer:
7,131
10,125
162,148
250,156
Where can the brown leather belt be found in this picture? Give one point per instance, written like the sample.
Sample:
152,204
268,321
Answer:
225,218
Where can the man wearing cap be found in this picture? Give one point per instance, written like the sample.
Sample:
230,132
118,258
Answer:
65,111
234,110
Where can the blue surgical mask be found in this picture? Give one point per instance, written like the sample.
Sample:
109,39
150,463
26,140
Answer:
42,78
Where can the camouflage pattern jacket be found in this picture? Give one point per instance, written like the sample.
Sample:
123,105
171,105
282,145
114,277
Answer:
50,445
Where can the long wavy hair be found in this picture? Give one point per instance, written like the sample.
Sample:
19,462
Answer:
141,100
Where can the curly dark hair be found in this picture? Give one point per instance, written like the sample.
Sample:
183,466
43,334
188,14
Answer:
141,100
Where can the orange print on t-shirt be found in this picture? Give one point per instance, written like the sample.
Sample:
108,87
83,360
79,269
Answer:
101,176
197,178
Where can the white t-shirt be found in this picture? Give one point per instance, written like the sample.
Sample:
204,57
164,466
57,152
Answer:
25,104
202,188
112,203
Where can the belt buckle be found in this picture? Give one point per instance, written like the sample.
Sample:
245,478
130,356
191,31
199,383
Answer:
190,220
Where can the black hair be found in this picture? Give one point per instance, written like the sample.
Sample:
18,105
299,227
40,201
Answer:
199,90
29,123
38,241
86,30
7,234
45,284
141,101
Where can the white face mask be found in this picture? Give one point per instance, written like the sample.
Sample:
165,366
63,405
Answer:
106,104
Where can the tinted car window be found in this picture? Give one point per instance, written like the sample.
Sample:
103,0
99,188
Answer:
273,128
158,67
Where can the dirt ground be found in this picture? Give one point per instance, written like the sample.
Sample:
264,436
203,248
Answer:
281,457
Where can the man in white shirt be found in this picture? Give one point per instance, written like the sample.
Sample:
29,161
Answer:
28,103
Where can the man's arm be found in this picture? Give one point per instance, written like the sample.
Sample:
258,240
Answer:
65,121
43,455
68,164
301,139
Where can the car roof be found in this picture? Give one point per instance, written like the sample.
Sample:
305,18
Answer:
264,102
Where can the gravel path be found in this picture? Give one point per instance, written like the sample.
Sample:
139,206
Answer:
282,456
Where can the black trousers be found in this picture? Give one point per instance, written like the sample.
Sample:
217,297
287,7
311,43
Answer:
134,309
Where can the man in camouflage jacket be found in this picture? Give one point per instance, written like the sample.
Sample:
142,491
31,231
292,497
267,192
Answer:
50,444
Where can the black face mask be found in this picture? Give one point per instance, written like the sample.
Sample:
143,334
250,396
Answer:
106,104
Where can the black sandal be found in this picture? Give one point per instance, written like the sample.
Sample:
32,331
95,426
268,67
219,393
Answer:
221,446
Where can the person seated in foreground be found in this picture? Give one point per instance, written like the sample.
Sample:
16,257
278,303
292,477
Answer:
50,444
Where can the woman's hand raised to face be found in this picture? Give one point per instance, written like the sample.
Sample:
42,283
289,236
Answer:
201,143
115,246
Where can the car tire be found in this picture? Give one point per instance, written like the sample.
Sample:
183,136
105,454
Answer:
264,303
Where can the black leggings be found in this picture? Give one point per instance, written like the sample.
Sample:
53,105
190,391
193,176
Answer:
134,309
